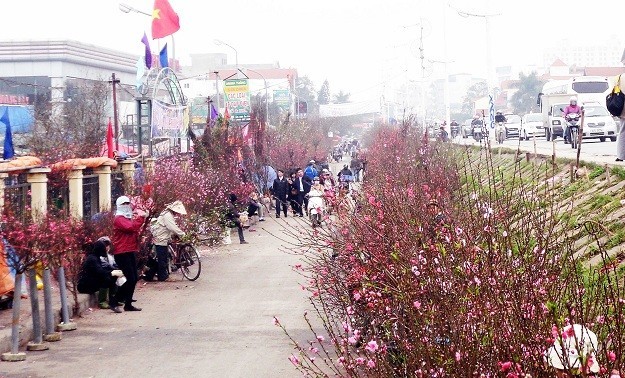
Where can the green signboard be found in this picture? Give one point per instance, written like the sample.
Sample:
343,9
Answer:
237,98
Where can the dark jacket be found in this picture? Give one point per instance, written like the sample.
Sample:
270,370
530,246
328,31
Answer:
280,188
295,187
94,274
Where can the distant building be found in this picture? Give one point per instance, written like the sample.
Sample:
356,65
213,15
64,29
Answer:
601,53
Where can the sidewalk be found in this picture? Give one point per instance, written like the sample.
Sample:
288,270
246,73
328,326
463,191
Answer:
218,326
26,323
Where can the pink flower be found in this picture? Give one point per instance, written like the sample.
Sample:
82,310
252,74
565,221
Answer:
350,310
356,296
504,366
320,338
417,304
611,356
360,361
276,321
370,364
458,356
294,360
372,346
352,340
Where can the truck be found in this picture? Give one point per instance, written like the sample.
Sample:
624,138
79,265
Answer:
553,119
556,95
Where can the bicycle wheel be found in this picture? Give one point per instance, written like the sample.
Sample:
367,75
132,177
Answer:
171,258
190,263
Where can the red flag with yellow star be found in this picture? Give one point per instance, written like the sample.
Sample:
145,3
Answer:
164,20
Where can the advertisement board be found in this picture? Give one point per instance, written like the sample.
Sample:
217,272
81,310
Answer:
237,99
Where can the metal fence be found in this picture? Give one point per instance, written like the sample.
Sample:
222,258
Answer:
90,194
117,185
17,195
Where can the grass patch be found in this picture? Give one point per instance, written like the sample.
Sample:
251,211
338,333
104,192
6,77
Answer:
596,172
599,201
618,172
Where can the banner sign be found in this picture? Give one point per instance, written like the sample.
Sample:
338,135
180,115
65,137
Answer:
237,97
169,120
282,98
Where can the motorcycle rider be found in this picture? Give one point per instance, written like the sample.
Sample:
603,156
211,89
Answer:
315,201
572,108
500,120
454,128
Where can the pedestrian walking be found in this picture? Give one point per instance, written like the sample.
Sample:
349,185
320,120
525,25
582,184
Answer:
126,228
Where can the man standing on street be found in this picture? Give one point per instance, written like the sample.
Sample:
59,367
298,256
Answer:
299,185
280,190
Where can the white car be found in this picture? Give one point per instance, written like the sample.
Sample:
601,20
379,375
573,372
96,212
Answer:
598,123
532,126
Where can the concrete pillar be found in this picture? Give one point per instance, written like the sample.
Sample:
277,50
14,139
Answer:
2,177
75,191
38,180
149,166
128,170
104,186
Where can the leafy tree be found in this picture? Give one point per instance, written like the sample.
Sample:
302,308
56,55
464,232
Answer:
341,98
524,99
324,93
476,91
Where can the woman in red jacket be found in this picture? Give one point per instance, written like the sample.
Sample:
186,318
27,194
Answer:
126,228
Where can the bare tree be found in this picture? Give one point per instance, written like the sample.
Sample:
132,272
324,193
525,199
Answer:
75,127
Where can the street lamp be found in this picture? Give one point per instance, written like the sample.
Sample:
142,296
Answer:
127,9
266,95
236,54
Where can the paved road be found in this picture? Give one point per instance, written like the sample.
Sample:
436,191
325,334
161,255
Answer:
591,150
219,326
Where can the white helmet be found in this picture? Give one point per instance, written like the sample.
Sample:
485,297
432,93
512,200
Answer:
122,200
573,99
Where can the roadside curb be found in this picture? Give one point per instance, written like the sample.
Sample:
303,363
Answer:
85,301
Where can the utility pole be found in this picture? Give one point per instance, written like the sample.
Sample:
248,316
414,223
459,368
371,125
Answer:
115,82
422,57
217,88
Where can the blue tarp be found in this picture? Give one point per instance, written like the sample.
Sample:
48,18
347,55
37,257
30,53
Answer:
20,117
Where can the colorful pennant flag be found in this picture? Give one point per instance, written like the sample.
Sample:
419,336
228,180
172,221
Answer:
109,140
164,20
163,57
212,115
148,51
9,152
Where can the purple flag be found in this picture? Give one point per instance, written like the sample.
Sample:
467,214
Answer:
212,116
148,52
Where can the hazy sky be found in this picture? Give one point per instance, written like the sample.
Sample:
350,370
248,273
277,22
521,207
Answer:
360,46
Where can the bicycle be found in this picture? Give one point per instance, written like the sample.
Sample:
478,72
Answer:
185,257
